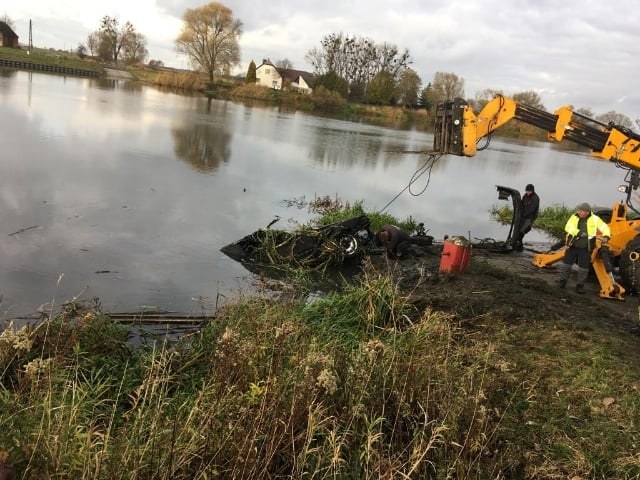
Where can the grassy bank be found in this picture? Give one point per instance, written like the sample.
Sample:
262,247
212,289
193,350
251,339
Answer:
321,101
358,384
366,382
50,57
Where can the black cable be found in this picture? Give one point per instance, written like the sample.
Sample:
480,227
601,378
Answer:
426,167
491,122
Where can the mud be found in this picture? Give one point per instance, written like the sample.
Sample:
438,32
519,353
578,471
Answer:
506,286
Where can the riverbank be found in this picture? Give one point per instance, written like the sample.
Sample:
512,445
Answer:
404,372
321,101
49,61
231,88
480,375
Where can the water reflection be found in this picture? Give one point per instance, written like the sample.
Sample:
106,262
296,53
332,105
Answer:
5,84
113,84
203,146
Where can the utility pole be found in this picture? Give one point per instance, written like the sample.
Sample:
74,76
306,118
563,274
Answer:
30,37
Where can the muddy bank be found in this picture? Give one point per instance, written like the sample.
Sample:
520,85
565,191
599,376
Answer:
507,285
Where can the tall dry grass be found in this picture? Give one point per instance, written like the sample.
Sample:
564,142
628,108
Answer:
355,384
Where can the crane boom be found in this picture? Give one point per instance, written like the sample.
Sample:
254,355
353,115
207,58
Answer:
458,129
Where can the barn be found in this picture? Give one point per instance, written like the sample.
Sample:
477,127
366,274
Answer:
8,37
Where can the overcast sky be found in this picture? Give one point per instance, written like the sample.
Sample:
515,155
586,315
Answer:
578,52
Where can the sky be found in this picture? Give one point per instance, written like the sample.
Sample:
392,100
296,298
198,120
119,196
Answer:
573,52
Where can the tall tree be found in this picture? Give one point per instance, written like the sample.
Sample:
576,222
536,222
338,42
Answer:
135,49
112,42
446,86
407,88
426,97
251,73
210,37
529,98
381,88
114,37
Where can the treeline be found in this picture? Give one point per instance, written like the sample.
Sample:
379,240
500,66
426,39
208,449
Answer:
356,69
363,71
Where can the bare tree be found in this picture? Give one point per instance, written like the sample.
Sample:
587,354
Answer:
483,97
615,118
135,49
284,63
93,43
113,37
210,37
446,86
112,42
356,59
585,111
529,98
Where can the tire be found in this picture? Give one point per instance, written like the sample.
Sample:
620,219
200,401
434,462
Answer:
349,245
629,266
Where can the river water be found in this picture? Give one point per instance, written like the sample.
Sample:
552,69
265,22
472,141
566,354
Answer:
126,193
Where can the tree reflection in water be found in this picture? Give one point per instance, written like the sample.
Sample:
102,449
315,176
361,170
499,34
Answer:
204,146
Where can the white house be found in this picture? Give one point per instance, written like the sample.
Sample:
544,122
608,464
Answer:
268,75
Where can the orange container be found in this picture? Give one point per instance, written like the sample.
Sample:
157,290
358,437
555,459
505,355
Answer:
456,257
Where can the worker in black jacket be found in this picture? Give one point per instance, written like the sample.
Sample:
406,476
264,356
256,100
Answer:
530,206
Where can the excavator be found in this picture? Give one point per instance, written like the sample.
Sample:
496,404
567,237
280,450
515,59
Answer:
459,131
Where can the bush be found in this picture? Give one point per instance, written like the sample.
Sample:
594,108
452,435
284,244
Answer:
327,100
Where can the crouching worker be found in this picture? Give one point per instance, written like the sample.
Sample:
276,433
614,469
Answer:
581,229
395,240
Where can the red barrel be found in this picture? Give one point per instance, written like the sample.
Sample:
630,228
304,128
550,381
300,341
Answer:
456,255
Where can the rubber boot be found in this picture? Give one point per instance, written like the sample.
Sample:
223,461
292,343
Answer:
565,270
581,278
517,243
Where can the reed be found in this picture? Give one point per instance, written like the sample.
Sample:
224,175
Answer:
551,219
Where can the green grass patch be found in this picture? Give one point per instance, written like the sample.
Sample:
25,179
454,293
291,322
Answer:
50,57
550,219
334,210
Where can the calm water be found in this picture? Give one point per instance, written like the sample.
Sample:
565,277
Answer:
133,191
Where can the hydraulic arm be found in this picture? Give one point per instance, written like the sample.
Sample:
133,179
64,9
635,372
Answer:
458,129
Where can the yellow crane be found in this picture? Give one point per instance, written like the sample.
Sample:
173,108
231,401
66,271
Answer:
458,131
